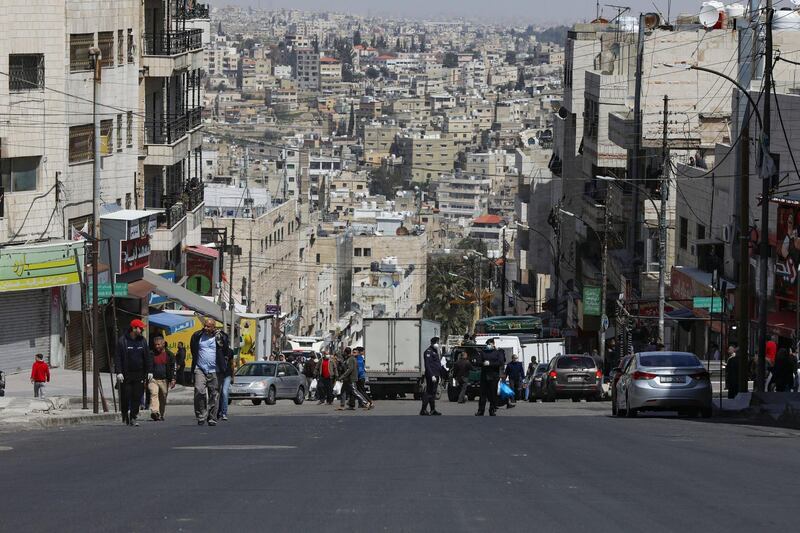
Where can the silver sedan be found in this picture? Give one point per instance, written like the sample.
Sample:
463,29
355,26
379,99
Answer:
268,382
665,381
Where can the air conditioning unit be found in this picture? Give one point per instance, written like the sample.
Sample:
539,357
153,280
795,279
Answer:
727,233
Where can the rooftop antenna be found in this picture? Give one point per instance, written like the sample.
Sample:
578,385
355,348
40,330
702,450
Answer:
621,10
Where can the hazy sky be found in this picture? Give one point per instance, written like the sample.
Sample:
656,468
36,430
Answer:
541,11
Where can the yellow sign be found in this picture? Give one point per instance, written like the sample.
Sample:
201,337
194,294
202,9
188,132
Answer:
249,335
41,266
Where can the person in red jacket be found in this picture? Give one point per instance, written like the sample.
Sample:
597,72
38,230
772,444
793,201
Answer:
40,374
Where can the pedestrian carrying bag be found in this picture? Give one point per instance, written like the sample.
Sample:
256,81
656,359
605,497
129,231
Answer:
313,385
337,388
505,391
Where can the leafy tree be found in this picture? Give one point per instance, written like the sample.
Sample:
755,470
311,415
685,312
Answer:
373,73
511,57
351,124
356,38
385,181
450,297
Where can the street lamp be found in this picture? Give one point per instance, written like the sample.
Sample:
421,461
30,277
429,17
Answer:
662,244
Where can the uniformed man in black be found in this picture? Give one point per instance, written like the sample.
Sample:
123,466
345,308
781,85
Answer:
433,370
490,361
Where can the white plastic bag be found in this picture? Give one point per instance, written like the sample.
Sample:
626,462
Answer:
313,385
337,388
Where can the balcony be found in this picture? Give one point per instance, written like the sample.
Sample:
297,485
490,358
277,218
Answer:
167,52
169,138
198,11
183,214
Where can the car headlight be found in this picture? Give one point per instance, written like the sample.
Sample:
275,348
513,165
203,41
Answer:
258,385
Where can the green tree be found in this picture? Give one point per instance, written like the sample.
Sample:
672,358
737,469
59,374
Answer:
450,60
373,73
511,57
450,294
356,38
351,124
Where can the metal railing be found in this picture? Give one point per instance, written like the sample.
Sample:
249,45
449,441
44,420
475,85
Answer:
177,205
167,129
172,43
193,117
198,11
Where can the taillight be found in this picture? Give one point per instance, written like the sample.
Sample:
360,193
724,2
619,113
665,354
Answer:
553,374
599,374
643,375
700,375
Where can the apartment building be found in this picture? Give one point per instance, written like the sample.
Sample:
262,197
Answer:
306,69
463,197
426,156
378,141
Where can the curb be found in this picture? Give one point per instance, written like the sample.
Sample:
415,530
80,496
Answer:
45,422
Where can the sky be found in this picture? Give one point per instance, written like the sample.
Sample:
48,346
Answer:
518,11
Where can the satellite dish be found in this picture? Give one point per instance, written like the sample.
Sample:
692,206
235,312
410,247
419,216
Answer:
653,20
712,14
563,112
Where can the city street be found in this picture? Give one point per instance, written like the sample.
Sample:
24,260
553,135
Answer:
542,467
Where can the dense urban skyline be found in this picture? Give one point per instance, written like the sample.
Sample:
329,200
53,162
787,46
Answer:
501,10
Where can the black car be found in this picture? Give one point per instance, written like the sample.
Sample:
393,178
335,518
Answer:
535,391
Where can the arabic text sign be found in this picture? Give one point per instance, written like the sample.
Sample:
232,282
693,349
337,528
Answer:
39,267
104,290
591,301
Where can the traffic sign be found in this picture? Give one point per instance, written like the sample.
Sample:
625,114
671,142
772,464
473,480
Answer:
604,323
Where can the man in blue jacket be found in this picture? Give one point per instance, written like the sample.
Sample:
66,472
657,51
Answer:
133,364
210,351
433,370
515,374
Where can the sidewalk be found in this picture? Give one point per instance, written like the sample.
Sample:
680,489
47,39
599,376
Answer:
773,408
62,405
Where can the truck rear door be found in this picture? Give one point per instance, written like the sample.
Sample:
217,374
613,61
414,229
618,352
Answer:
378,346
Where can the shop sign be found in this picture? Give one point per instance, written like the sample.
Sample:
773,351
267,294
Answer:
39,267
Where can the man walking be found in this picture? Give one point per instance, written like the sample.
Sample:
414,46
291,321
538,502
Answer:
491,361
225,380
309,371
326,375
180,364
40,375
732,370
163,378
349,378
361,384
133,364
515,374
209,349
461,372
433,370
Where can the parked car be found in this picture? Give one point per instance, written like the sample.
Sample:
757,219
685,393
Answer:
2,383
572,376
268,382
535,391
614,378
665,381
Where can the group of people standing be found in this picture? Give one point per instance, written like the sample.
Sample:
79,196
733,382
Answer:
138,366
349,369
781,366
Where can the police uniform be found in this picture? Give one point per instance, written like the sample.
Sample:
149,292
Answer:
433,368
490,376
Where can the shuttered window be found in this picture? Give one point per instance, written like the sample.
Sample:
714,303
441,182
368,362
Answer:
79,44
80,143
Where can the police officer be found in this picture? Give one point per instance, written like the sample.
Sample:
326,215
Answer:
490,361
433,370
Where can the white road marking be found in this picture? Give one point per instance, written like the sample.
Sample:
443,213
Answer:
5,448
236,447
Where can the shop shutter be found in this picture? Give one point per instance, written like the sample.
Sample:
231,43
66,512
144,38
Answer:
25,330
74,344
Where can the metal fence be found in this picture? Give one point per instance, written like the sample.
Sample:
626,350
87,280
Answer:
172,43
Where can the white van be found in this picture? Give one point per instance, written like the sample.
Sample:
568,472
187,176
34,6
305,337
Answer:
508,343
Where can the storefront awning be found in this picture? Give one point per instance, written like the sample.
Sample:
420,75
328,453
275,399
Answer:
185,297
170,322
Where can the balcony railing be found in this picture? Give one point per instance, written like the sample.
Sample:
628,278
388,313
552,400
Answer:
167,129
177,205
172,43
198,11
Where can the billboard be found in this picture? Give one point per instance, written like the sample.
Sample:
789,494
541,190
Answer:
134,254
787,252
40,267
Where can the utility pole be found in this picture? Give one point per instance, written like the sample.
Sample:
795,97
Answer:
636,157
765,194
96,57
503,283
230,281
557,267
604,278
662,225
250,272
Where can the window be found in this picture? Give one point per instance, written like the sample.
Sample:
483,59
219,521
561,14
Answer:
701,232
120,47
130,45
105,42
79,44
367,252
19,174
129,133
357,252
574,362
119,132
26,72
684,233
106,137
318,258
80,143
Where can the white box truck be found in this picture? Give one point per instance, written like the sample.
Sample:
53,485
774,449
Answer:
393,348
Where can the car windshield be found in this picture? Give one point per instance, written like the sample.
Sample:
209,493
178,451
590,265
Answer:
257,369
575,361
673,360
541,369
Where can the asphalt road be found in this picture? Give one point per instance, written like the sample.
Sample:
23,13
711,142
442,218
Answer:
539,467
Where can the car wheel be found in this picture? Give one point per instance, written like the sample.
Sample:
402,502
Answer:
300,396
271,396
630,412
471,397
549,396
575,399
614,411
705,412
256,402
